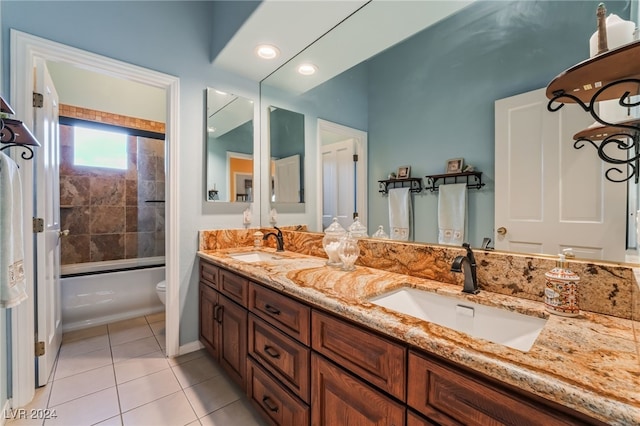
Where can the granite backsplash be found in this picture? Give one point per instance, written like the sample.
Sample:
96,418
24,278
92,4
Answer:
604,288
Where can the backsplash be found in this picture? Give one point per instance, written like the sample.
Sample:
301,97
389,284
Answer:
604,288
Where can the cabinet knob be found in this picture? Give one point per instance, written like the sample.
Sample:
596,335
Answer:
271,351
271,309
502,230
268,402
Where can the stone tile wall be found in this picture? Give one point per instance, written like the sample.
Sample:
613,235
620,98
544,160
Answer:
106,210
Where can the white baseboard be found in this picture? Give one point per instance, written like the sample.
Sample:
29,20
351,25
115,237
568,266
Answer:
190,347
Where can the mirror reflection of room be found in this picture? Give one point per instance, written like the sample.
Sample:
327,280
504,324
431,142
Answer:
229,147
454,72
286,138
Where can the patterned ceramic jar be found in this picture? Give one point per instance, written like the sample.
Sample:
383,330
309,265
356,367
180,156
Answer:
561,292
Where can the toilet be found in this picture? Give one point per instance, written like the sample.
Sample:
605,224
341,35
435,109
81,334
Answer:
161,290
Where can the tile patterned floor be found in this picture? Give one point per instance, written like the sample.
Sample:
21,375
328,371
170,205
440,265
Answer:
117,374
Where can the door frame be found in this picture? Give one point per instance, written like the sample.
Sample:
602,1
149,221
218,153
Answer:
25,48
360,138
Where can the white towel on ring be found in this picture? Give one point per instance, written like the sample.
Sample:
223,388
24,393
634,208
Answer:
12,279
452,213
399,213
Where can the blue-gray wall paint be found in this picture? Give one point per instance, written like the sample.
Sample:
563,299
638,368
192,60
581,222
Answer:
172,37
432,97
226,18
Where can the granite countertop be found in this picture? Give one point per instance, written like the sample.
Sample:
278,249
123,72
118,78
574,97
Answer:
590,363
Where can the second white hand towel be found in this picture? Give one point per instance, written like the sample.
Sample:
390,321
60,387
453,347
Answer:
399,213
452,213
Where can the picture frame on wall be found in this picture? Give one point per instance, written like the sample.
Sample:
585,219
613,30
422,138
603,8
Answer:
404,172
454,165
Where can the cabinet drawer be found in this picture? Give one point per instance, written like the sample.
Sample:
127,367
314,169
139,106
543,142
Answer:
233,286
272,400
338,398
284,313
415,420
451,398
375,359
209,274
282,356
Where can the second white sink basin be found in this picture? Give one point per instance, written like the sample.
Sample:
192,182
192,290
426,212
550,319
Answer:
497,325
255,256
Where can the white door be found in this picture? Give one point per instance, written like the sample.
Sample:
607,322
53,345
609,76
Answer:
338,183
549,195
48,314
287,180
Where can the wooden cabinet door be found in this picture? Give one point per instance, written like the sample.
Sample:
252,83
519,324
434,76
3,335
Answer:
208,324
233,340
338,398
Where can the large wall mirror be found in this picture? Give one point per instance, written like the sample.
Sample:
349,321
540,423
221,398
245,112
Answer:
229,148
430,96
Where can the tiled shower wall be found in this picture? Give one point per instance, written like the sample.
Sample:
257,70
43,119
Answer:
112,214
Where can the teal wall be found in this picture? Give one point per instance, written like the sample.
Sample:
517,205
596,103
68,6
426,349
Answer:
172,37
432,97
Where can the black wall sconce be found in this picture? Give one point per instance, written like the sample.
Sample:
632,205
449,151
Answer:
13,133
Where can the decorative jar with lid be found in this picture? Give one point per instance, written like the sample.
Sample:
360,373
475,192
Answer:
348,252
380,233
357,229
331,241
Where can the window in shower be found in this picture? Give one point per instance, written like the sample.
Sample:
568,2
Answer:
112,198
99,148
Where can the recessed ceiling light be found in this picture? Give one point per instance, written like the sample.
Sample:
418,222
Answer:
307,69
267,51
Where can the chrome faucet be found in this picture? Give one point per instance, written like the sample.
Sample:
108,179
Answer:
279,239
467,262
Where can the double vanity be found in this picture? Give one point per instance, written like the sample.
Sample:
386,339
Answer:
312,344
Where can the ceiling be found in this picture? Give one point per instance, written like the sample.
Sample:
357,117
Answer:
292,26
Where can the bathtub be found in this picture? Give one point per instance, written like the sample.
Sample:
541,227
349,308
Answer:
99,293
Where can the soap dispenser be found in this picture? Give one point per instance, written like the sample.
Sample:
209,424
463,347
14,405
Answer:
561,288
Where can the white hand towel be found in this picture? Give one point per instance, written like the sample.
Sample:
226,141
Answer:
452,213
399,213
12,280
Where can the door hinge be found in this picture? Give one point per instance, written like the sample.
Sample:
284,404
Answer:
355,158
40,348
38,100
38,225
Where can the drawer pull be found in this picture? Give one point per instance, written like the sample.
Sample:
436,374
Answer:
271,309
268,402
271,351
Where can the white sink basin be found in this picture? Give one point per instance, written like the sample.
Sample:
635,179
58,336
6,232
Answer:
255,256
497,325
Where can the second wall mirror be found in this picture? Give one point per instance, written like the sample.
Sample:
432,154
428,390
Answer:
229,148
